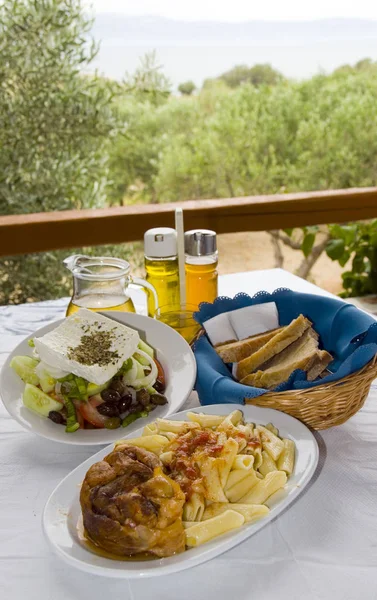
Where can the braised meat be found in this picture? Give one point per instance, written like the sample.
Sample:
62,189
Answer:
129,505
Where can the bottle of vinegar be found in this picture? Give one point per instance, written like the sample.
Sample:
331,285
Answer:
201,266
161,266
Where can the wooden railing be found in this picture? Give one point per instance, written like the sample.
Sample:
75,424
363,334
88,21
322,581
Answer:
22,234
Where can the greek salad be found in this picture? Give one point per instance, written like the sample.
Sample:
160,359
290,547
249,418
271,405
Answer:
91,372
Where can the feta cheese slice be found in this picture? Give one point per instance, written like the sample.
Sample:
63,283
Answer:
88,345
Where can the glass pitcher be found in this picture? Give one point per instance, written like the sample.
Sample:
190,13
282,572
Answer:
101,283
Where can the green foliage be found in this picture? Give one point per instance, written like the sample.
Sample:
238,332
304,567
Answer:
187,88
260,74
308,239
36,277
70,140
55,122
359,242
56,125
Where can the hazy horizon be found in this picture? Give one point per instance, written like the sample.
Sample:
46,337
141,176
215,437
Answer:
203,49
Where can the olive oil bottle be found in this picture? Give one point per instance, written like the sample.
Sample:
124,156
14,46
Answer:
161,266
201,266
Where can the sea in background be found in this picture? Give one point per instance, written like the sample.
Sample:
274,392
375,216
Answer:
199,50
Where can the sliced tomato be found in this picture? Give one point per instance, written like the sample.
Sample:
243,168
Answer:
160,374
90,412
80,418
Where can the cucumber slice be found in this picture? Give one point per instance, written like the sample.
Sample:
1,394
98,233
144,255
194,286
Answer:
46,381
145,348
94,389
24,366
38,401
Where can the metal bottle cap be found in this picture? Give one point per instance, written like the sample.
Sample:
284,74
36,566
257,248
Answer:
160,242
200,242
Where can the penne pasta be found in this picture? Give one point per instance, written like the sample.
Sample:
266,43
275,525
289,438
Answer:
166,457
270,442
286,459
205,420
244,430
243,461
272,428
187,524
227,468
150,429
234,477
194,508
175,426
228,425
211,480
250,512
257,457
207,530
243,487
265,488
221,438
242,443
234,417
154,443
268,464
226,459
169,435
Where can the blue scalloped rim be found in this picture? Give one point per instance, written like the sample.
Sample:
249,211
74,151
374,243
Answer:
348,333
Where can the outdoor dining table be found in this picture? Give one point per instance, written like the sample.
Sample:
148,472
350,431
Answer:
323,547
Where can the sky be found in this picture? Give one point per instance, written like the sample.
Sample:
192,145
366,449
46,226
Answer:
241,10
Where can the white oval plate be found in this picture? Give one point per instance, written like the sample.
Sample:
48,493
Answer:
62,511
172,351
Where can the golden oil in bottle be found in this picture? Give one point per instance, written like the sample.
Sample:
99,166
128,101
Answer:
161,266
201,266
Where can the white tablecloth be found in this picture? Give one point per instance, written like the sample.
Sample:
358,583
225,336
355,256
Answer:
324,547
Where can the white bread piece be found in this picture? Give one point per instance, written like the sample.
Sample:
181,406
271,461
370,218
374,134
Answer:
288,335
301,354
323,359
236,351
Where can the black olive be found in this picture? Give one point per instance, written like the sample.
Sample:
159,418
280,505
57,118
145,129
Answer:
143,397
158,399
108,409
124,403
159,387
117,385
110,395
135,408
57,417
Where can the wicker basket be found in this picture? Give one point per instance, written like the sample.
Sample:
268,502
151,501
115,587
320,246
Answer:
326,405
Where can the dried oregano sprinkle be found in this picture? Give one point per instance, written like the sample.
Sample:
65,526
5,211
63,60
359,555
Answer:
95,349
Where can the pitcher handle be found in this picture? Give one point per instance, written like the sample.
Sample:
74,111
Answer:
146,284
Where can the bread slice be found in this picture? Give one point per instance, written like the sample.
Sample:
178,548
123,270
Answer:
236,351
301,354
284,338
323,359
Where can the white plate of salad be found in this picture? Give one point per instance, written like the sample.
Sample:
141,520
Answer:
92,377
